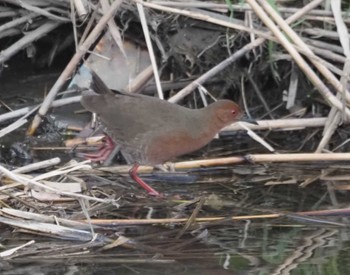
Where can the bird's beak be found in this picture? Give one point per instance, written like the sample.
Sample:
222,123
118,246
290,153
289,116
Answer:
247,119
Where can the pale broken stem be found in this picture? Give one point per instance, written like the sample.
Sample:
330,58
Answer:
258,158
321,87
37,165
255,136
71,65
150,49
292,88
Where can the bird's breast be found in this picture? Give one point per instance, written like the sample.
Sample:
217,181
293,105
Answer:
167,147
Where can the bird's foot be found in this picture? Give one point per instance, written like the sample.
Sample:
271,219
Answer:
102,153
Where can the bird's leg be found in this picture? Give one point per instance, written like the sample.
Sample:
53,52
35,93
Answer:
103,152
135,177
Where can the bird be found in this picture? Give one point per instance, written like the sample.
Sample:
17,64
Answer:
151,131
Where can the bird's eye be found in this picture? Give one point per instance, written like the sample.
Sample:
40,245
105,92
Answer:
233,112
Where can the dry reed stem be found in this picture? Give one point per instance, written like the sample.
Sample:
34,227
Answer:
175,220
150,49
114,222
251,158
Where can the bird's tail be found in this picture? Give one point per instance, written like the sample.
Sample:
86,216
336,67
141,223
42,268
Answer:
97,84
93,101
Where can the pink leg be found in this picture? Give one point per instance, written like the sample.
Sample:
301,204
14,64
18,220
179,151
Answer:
135,177
103,152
